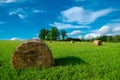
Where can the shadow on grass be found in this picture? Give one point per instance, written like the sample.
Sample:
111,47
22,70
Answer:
71,60
0,63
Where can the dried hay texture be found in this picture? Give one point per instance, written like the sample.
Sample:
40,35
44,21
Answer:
72,41
32,53
97,42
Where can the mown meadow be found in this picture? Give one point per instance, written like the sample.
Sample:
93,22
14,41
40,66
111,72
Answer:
73,61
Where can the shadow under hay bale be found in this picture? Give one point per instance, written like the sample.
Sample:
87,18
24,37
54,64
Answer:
69,61
97,42
32,53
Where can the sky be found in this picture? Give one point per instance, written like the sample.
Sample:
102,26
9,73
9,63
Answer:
23,19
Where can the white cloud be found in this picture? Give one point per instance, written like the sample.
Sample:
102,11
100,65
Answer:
24,13
108,29
66,26
7,1
82,16
21,16
16,11
104,30
116,29
80,36
15,38
19,12
79,0
35,38
11,1
91,35
38,11
75,32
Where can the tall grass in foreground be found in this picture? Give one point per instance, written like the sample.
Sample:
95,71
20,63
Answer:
78,61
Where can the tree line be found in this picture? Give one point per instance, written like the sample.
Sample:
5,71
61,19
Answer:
55,34
105,38
52,34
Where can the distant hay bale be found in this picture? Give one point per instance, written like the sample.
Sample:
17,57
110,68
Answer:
72,41
32,53
97,42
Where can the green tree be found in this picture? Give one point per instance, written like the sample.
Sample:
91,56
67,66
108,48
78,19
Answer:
63,34
103,38
58,37
43,34
48,35
117,38
54,33
109,39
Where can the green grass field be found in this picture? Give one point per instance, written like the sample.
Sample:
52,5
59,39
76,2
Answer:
78,61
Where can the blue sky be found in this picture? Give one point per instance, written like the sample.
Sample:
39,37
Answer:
23,19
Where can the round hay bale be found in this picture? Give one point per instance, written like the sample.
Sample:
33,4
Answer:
32,53
97,42
72,41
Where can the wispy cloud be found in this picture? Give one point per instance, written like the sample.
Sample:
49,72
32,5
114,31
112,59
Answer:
35,38
15,11
79,0
38,11
24,13
75,32
67,26
104,30
108,29
91,35
16,38
83,16
116,29
10,1
21,16
19,12
80,37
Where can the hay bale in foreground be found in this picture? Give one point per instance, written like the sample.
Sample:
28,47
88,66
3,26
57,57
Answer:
32,53
97,42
